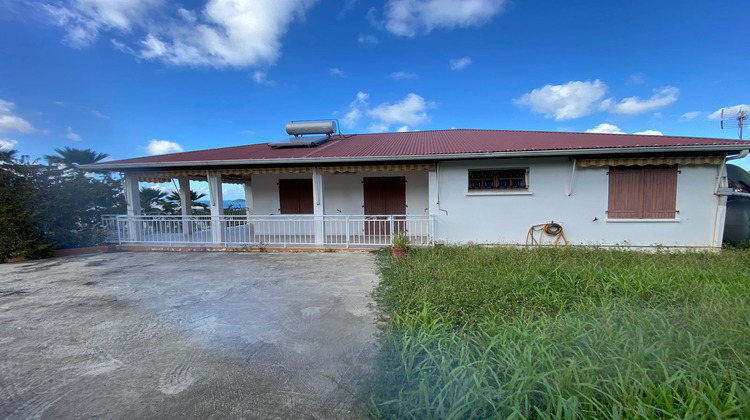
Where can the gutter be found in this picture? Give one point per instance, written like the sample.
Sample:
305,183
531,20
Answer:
431,157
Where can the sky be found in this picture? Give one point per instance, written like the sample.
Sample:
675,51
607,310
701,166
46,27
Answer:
140,77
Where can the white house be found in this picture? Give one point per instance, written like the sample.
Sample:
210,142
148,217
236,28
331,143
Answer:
451,186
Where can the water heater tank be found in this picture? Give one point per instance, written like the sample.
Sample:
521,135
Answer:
737,224
311,127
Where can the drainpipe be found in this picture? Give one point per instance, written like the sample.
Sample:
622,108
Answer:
437,186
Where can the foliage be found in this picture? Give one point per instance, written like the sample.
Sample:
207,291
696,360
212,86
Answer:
154,201
51,206
400,241
563,333
174,197
70,157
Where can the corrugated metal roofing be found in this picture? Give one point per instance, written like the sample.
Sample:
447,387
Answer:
428,144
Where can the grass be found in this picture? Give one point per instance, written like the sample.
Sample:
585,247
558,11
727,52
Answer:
563,334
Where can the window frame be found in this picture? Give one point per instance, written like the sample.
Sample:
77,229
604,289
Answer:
496,176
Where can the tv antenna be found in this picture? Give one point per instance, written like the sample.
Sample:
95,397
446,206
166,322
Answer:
736,116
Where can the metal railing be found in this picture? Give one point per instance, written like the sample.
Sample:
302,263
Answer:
342,231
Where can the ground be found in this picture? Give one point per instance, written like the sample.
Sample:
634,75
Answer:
178,334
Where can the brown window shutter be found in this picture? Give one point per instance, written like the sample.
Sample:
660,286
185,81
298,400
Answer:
296,196
625,192
660,192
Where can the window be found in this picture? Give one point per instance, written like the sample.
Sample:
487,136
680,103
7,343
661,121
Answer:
642,192
296,196
500,179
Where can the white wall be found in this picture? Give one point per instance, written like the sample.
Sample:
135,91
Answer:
342,192
498,218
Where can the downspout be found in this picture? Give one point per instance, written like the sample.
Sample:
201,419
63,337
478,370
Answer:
437,186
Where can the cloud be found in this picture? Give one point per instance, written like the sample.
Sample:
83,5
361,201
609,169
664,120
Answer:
367,39
564,102
410,111
261,78
355,113
690,115
635,105
73,136
10,122
460,63
637,78
160,147
605,128
224,33
8,144
410,17
337,72
402,75
716,115
650,133
403,129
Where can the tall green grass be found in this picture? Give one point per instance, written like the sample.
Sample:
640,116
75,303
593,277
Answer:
563,333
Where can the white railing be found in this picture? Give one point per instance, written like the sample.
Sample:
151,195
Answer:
342,231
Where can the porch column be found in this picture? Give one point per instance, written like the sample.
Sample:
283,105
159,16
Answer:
318,207
249,211
433,197
133,202
217,207
186,204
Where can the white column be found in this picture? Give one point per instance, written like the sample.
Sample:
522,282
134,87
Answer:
133,202
433,195
217,207
318,207
186,204
249,211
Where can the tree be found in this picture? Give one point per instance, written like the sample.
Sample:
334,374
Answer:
70,157
194,197
154,200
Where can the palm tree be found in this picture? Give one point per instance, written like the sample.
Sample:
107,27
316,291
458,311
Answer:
194,197
70,157
8,155
152,199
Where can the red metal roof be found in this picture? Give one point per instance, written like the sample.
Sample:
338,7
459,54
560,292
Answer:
427,144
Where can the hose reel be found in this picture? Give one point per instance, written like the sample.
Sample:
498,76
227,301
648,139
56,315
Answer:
552,229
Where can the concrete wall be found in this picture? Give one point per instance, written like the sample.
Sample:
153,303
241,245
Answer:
343,193
507,217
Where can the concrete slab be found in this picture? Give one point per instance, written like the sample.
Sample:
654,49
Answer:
186,335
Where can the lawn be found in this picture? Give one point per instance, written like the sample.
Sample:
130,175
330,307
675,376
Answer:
563,333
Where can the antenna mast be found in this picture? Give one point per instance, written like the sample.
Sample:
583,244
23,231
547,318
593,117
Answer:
736,116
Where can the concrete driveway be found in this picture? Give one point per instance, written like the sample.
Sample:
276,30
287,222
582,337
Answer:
186,335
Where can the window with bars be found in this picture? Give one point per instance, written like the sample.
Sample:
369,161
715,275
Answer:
642,192
498,180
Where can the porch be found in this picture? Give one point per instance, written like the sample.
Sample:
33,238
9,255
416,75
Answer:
276,231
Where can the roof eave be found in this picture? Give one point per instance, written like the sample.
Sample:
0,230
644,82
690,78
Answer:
725,148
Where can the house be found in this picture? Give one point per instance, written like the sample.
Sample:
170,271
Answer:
447,186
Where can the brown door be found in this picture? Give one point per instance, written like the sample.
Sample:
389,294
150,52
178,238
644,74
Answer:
384,195
295,196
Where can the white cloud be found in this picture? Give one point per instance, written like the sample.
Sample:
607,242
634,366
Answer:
367,39
564,102
160,147
354,115
460,63
337,72
8,144
73,136
637,78
635,105
402,75
224,33
732,110
650,133
409,17
403,129
410,111
605,128
261,78
690,115
10,122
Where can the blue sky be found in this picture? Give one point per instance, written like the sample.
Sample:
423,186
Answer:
137,77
